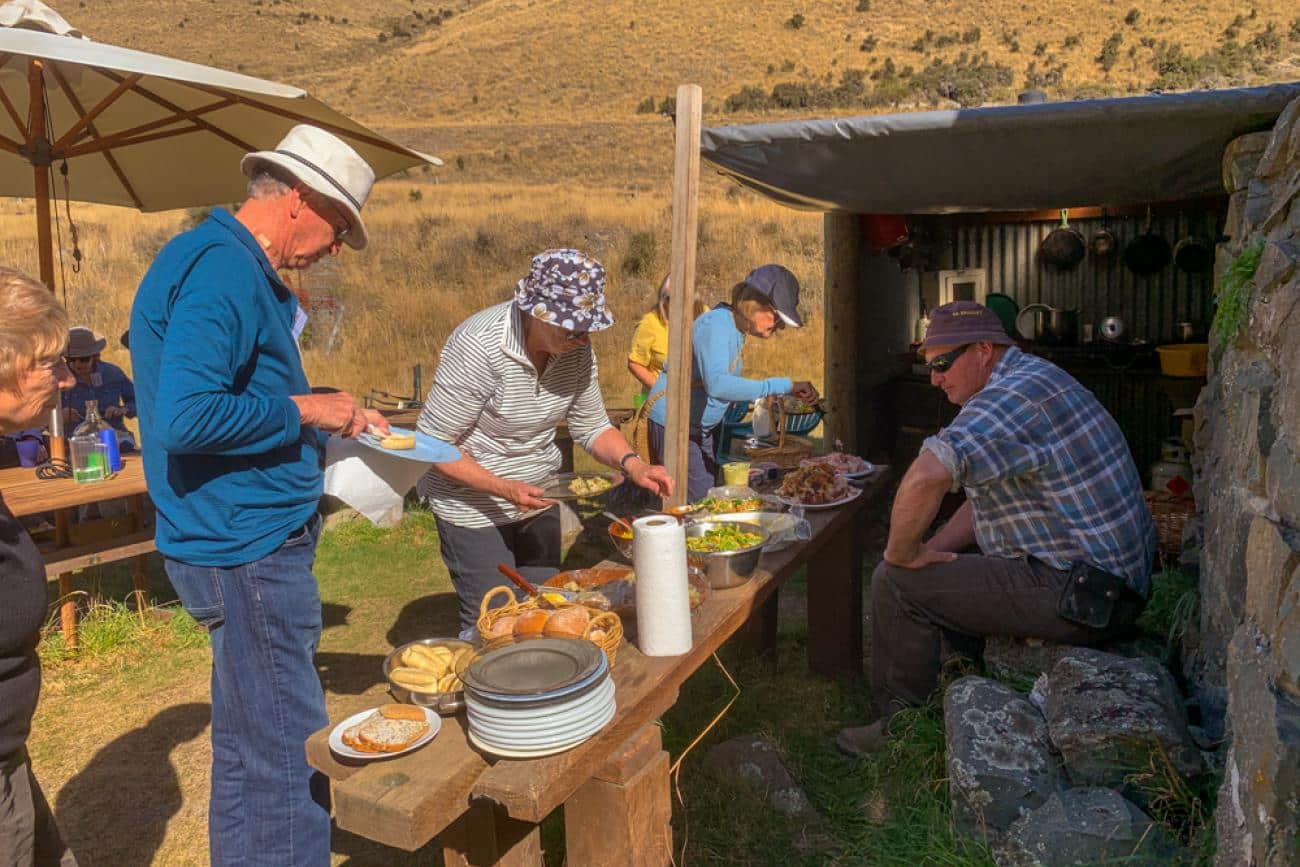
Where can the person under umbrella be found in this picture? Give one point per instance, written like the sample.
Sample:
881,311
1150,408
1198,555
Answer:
100,381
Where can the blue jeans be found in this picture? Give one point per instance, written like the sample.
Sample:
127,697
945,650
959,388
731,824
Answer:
267,806
701,463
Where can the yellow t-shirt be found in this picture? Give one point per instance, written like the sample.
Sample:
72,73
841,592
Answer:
650,343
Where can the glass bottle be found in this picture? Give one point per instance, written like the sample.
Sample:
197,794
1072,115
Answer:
89,455
110,456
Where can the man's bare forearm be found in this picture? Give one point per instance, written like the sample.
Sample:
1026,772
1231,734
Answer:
958,533
915,505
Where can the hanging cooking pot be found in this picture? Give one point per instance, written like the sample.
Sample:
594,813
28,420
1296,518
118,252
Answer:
1104,245
1193,256
1041,323
1063,248
1147,253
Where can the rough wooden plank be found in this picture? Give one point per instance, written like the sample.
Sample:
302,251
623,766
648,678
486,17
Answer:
485,835
686,193
629,824
631,755
70,559
27,495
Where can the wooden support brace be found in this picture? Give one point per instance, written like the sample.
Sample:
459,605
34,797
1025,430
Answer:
623,814
486,837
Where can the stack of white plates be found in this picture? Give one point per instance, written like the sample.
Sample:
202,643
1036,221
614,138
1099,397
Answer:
534,698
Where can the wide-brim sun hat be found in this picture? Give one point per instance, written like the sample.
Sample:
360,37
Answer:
566,288
326,164
782,290
83,343
961,322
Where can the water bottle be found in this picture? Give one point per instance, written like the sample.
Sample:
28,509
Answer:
89,455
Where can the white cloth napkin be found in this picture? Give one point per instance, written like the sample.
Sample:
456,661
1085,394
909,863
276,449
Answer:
373,483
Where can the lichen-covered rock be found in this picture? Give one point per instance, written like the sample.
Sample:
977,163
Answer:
1000,761
1021,657
1241,157
755,761
1108,715
1086,826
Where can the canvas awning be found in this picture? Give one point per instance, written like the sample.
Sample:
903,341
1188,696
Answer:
1123,151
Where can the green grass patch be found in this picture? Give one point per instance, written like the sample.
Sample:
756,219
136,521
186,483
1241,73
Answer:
1232,298
1172,608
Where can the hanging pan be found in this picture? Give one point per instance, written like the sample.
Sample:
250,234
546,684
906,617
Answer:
1063,248
1103,245
1147,253
1193,256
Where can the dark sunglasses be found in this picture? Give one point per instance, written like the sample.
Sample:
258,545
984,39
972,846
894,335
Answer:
941,363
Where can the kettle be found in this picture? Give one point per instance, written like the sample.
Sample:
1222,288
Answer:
1172,473
1040,322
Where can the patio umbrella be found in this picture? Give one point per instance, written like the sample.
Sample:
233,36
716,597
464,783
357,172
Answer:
139,129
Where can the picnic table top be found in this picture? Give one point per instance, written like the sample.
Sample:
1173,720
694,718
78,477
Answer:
25,494
407,800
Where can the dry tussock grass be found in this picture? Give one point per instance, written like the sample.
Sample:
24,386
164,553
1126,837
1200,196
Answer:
458,249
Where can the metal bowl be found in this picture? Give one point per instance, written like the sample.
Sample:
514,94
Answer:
774,523
724,569
622,544
441,702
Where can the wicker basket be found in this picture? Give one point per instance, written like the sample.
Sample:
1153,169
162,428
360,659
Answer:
1171,515
607,621
789,449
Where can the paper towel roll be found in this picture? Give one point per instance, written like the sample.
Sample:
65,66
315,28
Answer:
663,603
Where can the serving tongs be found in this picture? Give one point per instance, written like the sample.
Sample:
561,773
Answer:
531,589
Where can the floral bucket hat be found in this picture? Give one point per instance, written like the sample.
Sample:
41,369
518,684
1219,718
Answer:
566,287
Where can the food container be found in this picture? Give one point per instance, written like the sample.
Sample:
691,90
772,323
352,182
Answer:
782,527
724,569
441,702
736,473
621,538
593,578
1184,359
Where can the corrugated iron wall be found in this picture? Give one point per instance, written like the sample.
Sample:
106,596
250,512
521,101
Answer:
1150,306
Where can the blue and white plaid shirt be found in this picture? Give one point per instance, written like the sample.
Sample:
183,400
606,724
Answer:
1048,473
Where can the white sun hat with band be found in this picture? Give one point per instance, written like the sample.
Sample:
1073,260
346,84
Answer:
326,164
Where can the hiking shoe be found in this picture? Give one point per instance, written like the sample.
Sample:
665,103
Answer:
862,741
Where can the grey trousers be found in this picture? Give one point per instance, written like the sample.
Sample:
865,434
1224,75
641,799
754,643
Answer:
29,836
919,617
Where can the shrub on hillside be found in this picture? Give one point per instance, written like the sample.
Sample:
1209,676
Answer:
1131,19
1072,40
1109,54
971,36
646,106
864,5
748,98
642,250
668,105
868,44
1267,41
1294,33
791,94
795,21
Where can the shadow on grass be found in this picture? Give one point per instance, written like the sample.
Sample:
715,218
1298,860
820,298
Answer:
360,852
130,783
425,617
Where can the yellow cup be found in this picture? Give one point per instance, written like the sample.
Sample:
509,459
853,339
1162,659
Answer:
736,473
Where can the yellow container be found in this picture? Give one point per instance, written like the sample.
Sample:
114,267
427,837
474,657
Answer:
1184,359
736,473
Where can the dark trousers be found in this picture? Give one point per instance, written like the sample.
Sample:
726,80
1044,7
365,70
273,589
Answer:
920,616
532,546
29,836
702,467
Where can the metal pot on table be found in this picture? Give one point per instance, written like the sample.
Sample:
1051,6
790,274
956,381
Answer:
1046,324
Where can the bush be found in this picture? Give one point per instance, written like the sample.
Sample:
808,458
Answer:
791,94
1071,41
1040,49
1131,19
1109,54
1267,41
668,105
864,5
646,106
971,36
868,44
1294,33
795,22
748,98
642,250
415,195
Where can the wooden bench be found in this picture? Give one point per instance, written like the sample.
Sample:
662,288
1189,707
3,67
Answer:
614,787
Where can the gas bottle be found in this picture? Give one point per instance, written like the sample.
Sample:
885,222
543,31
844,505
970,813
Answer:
1172,473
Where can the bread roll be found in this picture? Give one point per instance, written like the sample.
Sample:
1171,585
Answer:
437,660
397,442
531,623
502,627
449,683
414,678
570,622
402,711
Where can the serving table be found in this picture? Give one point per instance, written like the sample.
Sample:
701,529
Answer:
25,494
614,787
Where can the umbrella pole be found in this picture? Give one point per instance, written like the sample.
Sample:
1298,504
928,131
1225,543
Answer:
39,149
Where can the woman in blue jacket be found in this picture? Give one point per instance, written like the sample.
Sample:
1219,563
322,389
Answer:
761,305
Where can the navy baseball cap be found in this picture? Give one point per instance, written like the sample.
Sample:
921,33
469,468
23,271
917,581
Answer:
782,288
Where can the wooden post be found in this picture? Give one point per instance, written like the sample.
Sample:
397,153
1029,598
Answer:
486,837
686,193
623,814
842,251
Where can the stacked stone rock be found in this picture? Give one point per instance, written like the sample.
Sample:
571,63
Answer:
1047,786
1246,659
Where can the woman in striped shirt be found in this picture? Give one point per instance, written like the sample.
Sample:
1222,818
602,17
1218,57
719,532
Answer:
507,377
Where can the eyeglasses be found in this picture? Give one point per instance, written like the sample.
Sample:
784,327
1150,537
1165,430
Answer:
941,363
80,358
339,234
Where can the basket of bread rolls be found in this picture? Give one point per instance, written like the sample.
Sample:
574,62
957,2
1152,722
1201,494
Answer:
424,672
550,615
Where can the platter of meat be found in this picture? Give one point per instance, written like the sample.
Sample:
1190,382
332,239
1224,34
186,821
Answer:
817,487
850,466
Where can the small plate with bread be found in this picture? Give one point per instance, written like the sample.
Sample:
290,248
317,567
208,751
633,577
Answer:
387,730
411,445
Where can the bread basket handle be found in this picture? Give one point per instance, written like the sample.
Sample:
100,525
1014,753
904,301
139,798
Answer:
604,620
486,604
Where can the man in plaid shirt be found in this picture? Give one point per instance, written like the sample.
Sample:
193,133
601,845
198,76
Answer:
1053,505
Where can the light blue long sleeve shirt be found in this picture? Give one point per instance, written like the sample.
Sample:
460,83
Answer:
229,466
716,343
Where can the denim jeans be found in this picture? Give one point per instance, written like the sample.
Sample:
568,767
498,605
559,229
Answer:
267,806
701,462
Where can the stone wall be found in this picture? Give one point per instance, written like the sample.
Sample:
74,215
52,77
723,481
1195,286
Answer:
1246,660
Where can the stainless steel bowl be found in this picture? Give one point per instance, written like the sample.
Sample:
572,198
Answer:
445,703
775,523
724,569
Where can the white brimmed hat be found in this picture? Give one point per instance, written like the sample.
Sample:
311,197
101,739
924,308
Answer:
328,165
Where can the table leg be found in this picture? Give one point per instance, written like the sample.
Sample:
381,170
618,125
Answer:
623,814
835,607
486,837
67,611
139,565
758,634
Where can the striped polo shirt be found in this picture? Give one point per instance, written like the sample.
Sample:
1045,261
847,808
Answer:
488,400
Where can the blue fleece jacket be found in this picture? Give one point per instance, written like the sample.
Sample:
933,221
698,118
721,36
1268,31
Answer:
231,470
715,347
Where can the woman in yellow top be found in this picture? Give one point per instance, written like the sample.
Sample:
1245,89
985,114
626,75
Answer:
650,342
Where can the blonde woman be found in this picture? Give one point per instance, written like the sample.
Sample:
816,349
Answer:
761,305
33,336
645,361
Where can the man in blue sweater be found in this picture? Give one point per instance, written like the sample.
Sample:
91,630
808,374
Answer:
234,443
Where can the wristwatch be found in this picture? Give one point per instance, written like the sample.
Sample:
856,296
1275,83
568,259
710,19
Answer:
622,462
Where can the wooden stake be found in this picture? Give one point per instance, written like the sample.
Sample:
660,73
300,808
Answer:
686,196
842,249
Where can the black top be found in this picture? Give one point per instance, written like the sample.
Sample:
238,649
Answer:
22,610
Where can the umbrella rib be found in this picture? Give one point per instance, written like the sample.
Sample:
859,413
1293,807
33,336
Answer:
86,120
10,145
170,106
121,141
90,128
372,140
127,136
13,112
